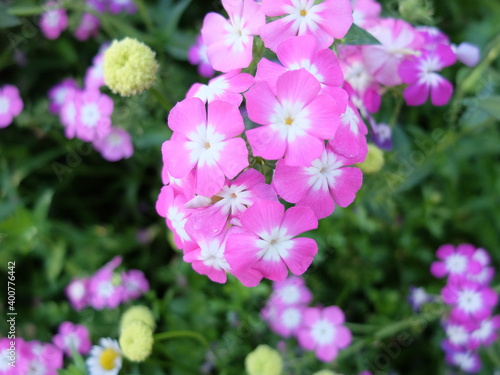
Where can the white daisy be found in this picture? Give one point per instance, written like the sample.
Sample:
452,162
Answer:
105,358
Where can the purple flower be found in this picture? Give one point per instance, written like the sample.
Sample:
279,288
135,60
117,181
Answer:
58,94
135,284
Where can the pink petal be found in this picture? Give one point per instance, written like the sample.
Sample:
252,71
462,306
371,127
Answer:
266,143
339,96
277,31
241,252
334,314
416,94
325,120
337,16
343,338
298,220
296,50
209,179
346,186
444,251
249,178
320,202
274,8
268,71
328,67
305,339
297,86
224,57
303,150
218,276
446,55
5,119
290,182
241,82
301,255
327,353
253,16
176,157
225,118
272,269
213,28
408,71
187,115
261,102
237,157
438,269
441,92
263,216
165,198
249,277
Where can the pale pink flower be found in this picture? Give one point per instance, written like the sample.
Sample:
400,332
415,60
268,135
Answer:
11,104
467,53
94,76
420,73
292,291
77,293
326,182
365,12
229,42
69,111
105,290
487,272
325,21
302,52
134,284
323,332
266,241
398,40
226,87
72,337
207,142
296,119
288,320
88,27
58,93
115,145
197,55
54,21
93,116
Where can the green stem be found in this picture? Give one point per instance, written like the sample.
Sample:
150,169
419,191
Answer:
183,334
397,110
494,357
23,11
161,99
144,14
361,328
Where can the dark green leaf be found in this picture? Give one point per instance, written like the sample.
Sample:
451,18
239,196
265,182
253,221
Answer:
357,36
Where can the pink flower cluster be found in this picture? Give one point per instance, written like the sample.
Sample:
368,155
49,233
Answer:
470,323
298,129
113,6
317,328
86,113
29,357
11,104
55,20
107,288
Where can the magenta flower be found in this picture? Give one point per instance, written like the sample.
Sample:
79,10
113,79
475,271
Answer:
54,21
350,138
115,145
487,272
58,93
105,289
206,256
69,111
94,76
99,5
302,52
209,143
229,42
44,358
11,104
93,117
486,333
323,332
469,300
326,182
296,119
365,12
77,293
226,87
88,27
197,55
72,336
398,39
266,241
456,263
458,334
22,352
288,320
325,21
118,6
420,73
466,360
292,291
134,284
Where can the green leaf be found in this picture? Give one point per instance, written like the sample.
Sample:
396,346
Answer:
357,36
7,20
174,16
490,105
55,261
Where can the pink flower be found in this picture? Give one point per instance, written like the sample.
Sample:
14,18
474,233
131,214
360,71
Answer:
291,291
456,263
486,333
117,6
54,21
209,143
134,284
197,55
44,359
226,87
325,21
266,241
486,274
77,293
302,52
115,145
206,256
421,75
467,53
88,27
458,334
72,336
105,289
417,297
93,117
94,76
469,300
323,332
288,320
229,42
399,40
325,182
58,93
365,12
69,111
297,118
350,138
11,104
20,352
466,360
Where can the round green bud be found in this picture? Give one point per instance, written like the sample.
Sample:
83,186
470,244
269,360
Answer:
374,160
138,313
136,341
264,360
130,67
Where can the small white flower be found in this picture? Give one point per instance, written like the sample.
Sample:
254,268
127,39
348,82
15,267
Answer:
105,358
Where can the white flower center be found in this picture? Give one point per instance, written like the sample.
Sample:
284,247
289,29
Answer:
307,65
37,368
212,255
484,331
290,120
90,115
52,18
60,95
304,14
71,340
4,104
237,35
427,71
178,220
235,199
205,145
291,317
114,140
106,289
323,332
469,301
77,290
456,263
4,360
289,294
349,118
457,334
357,76
464,360
275,245
324,171
214,89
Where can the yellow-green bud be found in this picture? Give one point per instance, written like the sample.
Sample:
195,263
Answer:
130,67
374,160
326,372
263,361
136,341
140,313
